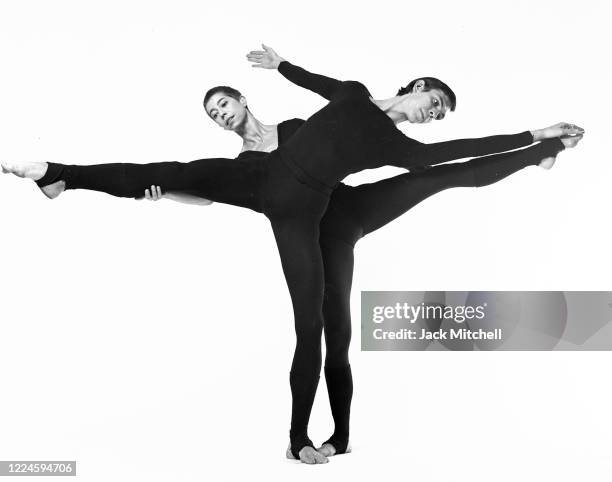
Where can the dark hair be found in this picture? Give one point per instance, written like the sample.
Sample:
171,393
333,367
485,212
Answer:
221,89
432,83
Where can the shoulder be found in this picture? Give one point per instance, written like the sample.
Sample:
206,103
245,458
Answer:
287,128
290,122
356,85
250,155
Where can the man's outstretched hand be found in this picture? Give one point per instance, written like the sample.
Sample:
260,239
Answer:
264,59
562,129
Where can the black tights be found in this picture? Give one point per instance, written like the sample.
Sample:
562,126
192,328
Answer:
357,211
296,212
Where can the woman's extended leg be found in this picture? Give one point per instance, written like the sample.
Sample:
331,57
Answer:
295,211
356,211
231,181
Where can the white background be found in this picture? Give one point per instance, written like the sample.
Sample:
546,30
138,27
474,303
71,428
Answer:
152,341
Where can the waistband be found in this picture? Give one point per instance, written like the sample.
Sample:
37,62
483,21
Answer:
304,177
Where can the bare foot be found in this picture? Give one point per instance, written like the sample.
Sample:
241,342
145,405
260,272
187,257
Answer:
54,190
571,141
34,171
547,162
568,142
308,455
329,450
29,170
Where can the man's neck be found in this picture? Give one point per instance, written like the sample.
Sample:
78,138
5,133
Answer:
392,107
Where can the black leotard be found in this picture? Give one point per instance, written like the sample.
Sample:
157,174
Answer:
291,187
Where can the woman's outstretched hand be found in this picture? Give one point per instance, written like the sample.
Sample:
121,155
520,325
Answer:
264,59
155,194
562,129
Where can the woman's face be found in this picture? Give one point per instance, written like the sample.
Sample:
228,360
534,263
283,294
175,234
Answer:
226,111
421,107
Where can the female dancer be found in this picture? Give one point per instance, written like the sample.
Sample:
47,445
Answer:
292,185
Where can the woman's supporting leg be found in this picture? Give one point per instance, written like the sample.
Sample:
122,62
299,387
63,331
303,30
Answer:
298,246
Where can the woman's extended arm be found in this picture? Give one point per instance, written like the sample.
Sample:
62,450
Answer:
269,59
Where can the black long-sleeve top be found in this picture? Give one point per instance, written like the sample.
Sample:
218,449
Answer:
352,134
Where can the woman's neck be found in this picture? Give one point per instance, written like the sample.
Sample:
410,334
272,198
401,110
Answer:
254,133
392,107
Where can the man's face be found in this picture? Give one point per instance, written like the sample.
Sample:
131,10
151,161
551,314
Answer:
226,111
422,107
